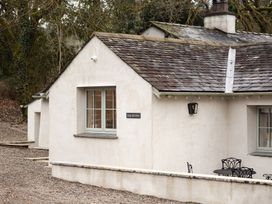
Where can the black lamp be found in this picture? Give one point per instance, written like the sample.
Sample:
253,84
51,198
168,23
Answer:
192,108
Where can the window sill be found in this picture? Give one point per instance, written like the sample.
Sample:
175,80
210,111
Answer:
97,135
261,154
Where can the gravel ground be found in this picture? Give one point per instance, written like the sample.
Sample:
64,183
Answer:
26,181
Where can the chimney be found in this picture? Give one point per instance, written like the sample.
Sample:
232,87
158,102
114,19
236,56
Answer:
219,17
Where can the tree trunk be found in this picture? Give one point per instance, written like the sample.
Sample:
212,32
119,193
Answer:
59,33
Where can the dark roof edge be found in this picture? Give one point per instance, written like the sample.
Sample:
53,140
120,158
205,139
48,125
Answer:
209,93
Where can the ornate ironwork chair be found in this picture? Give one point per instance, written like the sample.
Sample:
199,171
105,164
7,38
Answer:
189,167
231,163
244,172
268,176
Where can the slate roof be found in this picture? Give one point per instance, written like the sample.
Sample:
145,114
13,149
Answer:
189,65
210,35
253,70
174,65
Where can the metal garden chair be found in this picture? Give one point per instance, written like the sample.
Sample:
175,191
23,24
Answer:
231,163
189,167
268,176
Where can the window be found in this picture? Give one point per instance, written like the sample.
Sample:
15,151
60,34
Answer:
264,128
101,109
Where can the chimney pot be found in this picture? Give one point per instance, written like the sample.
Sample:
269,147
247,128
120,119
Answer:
220,6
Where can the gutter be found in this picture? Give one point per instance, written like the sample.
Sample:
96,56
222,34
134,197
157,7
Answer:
41,95
160,94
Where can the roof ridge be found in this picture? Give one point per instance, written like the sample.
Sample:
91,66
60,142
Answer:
177,24
158,39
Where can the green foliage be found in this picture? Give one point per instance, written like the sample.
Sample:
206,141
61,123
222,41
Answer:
174,11
125,16
253,15
38,38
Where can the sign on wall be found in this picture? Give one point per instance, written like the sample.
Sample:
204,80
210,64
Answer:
134,115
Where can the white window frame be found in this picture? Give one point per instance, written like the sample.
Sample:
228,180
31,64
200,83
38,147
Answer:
258,148
103,128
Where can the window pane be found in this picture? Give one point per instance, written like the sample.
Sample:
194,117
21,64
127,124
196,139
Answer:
110,99
264,137
90,95
94,99
97,99
264,116
94,118
110,109
93,112
90,119
97,118
111,119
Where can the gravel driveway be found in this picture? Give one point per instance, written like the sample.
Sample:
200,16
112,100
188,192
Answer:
26,181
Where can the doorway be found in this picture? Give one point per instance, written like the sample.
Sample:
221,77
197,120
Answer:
37,118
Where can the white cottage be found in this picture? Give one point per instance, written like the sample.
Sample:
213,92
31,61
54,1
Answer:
118,114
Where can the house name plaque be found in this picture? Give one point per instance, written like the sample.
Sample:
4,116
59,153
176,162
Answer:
134,115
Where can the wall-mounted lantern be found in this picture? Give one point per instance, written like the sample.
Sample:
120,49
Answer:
192,108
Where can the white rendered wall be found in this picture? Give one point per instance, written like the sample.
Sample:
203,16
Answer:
243,133
40,108
199,139
170,185
223,127
133,146
154,32
225,22
32,108
44,124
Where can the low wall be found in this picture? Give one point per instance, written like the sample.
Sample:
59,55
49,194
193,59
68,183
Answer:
176,186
